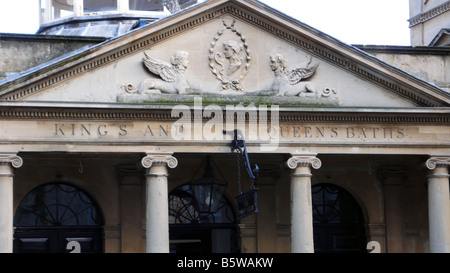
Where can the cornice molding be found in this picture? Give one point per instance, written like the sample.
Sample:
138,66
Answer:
112,112
428,15
121,47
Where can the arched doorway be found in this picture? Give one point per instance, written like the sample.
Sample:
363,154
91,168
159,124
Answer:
191,231
54,214
338,221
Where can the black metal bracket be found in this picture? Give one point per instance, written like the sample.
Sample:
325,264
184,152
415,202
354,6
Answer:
238,143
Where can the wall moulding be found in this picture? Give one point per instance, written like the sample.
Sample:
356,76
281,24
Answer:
423,17
163,113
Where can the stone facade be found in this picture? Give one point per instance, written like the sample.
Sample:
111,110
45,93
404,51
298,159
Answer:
21,52
130,122
429,22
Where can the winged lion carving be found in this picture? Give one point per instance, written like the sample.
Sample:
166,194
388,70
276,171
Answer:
286,78
172,79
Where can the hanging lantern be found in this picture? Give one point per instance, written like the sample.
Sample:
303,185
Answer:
208,191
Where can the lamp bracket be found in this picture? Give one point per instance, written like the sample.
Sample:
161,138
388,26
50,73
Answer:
238,143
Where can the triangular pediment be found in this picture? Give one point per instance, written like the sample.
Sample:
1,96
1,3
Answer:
237,51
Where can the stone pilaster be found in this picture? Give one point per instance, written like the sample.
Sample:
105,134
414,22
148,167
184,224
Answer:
266,218
157,207
131,208
393,178
7,163
439,204
302,236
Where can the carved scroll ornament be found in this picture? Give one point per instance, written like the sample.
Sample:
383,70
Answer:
307,160
15,160
437,161
152,159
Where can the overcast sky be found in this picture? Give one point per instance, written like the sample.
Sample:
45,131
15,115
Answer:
379,22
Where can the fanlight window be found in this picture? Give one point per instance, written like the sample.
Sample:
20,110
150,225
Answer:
57,205
184,210
333,205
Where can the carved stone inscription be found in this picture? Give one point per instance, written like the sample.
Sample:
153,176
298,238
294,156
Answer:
169,131
142,132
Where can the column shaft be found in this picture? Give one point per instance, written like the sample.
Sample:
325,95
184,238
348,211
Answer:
157,205
6,208
157,214
302,239
302,236
7,162
439,205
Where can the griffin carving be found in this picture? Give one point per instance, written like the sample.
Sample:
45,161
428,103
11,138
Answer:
286,77
172,76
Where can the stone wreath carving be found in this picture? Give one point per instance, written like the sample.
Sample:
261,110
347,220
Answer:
231,62
172,76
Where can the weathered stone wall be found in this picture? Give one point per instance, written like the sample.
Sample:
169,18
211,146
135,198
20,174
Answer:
19,52
428,63
427,18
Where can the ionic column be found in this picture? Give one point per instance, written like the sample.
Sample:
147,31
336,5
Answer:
302,237
157,207
7,162
439,204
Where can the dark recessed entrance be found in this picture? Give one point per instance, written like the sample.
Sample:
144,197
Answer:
338,221
192,231
52,215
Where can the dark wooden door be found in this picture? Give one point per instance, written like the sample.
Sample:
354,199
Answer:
338,239
54,214
56,240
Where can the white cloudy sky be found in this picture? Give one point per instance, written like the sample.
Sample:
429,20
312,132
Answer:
379,22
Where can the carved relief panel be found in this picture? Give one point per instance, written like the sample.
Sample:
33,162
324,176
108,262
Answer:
229,57
229,60
228,54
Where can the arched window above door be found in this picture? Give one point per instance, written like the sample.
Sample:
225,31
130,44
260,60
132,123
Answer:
183,209
57,205
334,205
338,221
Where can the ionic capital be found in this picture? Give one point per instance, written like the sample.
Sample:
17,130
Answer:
13,159
437,161
304,160
157,159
